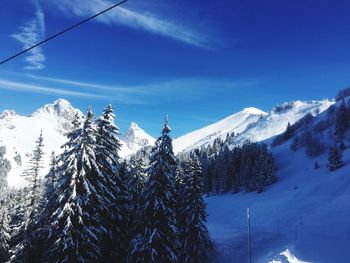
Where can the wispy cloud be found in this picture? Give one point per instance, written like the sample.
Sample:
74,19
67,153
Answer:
154,93
82,84
31,32
147,21
182,89
19,86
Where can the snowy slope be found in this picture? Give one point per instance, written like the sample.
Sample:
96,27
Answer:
18,134
307,211
275,121
236,123
251,124
306,214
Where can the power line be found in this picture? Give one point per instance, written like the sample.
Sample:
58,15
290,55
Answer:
63,31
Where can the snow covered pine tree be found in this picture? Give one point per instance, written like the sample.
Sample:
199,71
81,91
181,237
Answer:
25,248
50,180
5,167
76,219
115,193
32,173
194,238
4,233
335,158
136,184
157,239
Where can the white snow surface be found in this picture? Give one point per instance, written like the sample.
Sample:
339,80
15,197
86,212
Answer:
18,133
251,124
303,217
236,123
275,122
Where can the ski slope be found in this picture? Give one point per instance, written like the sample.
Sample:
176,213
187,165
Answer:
305,215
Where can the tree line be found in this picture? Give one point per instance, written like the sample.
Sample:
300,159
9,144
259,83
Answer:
249,167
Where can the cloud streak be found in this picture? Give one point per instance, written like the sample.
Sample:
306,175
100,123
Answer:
156,93
146,21
18,86
31,32
183,89
81,84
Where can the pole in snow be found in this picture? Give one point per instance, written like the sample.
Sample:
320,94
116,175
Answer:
249,238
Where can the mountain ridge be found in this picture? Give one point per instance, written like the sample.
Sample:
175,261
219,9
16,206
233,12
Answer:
54,119
251,124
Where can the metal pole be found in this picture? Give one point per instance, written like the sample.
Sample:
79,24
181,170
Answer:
249,238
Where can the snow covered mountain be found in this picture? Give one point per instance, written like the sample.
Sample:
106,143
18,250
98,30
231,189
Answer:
18,133
134,139
251,124
276,121
236,123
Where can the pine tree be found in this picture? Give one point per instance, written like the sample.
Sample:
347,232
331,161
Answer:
136,184
76,231
32,173
50,178
335,158
122,214
4,233
341,122
19,201
5,167
157,239
114,187
39,230
270,167
260,173
36,231
194,238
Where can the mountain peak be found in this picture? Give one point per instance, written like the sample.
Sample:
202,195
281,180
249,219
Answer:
60,108
136,138
134,126
62,103
252,110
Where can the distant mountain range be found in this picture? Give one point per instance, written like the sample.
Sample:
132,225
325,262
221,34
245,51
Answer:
18,133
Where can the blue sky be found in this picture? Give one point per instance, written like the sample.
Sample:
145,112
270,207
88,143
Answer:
198,61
